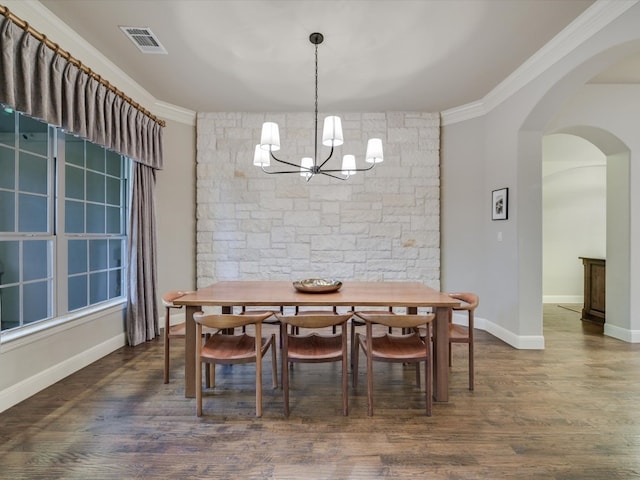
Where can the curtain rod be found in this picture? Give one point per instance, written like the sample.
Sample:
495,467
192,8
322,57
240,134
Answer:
67,56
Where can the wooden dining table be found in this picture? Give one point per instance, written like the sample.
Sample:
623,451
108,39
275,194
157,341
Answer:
411,295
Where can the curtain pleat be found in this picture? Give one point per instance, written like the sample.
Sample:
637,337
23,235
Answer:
142,306
38,81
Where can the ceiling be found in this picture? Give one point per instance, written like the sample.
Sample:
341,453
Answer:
378,55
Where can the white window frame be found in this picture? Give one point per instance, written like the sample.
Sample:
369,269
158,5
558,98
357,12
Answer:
59,255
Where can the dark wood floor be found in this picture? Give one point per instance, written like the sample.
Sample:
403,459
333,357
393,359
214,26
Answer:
568,412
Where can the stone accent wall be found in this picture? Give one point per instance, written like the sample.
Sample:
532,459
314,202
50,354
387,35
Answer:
383,224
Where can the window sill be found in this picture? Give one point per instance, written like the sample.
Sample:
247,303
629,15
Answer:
32,333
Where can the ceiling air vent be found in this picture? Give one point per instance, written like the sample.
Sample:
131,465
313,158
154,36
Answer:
144,39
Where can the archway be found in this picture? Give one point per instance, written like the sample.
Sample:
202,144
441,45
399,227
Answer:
615,212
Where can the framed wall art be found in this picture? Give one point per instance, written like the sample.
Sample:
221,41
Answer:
500,204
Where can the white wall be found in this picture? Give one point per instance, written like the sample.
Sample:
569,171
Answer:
574,206
176,209
378,225
511,152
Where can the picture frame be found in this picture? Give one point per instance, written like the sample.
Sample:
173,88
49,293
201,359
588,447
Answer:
500,204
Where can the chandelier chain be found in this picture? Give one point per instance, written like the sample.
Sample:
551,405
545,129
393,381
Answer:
315,146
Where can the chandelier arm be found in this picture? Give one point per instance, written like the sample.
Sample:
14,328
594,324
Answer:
351,169
279,171
287,163
324,172
330,155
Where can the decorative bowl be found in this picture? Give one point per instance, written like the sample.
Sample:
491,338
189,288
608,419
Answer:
317,285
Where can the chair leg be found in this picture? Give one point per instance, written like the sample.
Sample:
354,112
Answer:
211,375
471,373
166,358
428,385
418,381
285,377
199,388
353,344
355,349
274,362
369,382
345,373
428,372
166,345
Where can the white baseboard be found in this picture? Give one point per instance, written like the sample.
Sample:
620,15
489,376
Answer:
563,299
521,342
630,336
30,386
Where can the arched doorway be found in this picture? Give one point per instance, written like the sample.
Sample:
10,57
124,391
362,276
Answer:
586,213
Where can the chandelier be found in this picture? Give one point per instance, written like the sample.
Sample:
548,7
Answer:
331,137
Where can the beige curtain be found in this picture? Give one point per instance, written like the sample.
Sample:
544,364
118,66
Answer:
142,304
38,81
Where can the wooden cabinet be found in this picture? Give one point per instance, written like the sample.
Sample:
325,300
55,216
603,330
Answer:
594,290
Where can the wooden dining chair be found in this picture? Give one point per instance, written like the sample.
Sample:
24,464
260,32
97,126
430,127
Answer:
174,331
464,334
227,349
329,310
314,347
270,320
357,322
395,348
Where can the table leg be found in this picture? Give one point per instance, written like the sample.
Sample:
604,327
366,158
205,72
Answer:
190,352
441,355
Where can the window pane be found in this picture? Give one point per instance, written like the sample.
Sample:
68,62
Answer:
33,135
74,150
33,174
32,213
77,294
74,217
97,255
98,287
7,212
95,218
95,157
113,191
35,302
95,187
113,220
77,257
74,182
9,262
7,127
35,260
10,307
7,168
115,253
114,164
115,283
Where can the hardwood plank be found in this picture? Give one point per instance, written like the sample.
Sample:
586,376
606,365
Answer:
568,412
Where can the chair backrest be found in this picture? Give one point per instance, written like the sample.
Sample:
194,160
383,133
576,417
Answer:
313,321
224,321
396,320
169,297
470,300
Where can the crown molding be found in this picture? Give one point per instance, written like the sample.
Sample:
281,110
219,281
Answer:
175,113
592,20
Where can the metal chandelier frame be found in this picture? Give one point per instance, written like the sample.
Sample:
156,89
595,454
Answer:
317,168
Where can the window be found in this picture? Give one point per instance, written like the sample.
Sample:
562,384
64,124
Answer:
63,211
